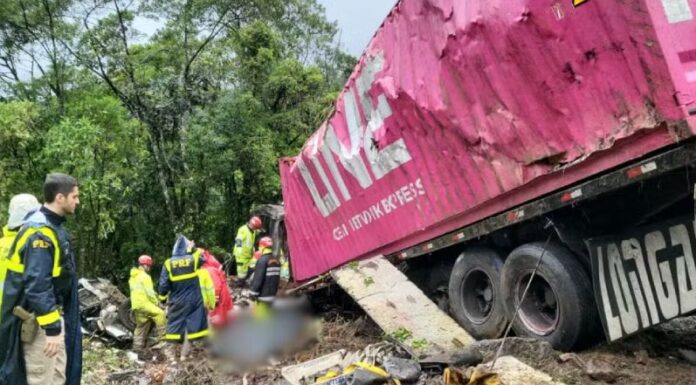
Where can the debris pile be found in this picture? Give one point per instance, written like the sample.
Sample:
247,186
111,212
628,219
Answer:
105,311
348,347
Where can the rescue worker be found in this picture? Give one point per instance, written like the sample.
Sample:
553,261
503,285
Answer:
189,293
264,286
20,206
223,300
40,331
243,251
144,304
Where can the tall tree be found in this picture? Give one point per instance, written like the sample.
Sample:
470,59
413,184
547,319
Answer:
183,67
178,130
33,63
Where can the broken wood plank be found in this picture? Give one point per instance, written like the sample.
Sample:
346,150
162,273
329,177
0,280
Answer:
296,373
399,307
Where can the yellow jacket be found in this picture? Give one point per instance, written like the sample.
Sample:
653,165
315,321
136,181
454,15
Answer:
5,245
244,243
244,249
8,237
142,291
207,289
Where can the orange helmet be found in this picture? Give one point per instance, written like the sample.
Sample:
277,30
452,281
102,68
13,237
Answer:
265,242
145,260
255,223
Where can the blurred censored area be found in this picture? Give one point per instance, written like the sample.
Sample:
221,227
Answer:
259,336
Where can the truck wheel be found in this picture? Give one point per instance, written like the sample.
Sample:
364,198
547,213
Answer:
474,293
559,307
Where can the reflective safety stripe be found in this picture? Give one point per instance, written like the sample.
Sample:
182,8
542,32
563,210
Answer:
183,277
15,262
196,258
15,266
195,336
49,318
172,336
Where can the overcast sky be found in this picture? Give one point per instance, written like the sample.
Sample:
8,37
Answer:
357,20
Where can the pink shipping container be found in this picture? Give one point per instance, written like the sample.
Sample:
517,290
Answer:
462,109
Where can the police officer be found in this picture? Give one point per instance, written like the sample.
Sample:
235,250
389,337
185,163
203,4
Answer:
189,293
40,296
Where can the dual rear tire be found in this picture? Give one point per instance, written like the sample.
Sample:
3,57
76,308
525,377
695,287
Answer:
559,307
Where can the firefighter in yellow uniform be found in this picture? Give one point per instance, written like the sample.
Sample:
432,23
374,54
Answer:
145,304
244,247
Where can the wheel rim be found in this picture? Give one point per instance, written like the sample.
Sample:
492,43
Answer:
539,312
477,295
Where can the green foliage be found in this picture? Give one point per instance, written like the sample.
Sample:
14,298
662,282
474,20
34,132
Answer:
103,360
402,334
179,131
99,143
420,344
19,139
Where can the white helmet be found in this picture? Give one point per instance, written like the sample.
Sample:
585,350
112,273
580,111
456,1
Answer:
20,206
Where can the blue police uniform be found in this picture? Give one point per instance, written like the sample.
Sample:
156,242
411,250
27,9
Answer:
180,286
41,277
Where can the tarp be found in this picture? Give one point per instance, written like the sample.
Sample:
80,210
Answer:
461,109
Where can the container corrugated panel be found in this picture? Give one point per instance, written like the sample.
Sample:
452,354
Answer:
459,110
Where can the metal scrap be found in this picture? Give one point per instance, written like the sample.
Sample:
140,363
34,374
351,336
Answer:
105,311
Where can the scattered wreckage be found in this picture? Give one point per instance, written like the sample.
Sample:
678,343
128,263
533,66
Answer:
105,312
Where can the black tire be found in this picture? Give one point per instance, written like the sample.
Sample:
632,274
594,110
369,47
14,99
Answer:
474,293
125,315
559,307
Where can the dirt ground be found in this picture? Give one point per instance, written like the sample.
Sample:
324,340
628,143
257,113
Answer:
652,357
657,356
337,332
665,354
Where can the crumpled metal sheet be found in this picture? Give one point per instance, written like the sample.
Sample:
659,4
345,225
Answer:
461,109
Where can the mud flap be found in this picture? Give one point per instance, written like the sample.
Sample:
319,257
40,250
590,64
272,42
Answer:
645,276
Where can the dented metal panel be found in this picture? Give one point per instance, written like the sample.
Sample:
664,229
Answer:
459,110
